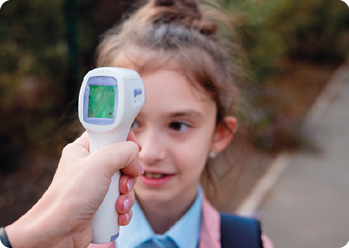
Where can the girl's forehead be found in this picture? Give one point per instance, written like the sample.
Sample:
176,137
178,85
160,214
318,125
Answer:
174,84
169,91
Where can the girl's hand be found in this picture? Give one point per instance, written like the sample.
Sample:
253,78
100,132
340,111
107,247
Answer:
61,218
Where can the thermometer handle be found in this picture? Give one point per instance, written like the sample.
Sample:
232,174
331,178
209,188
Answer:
104,224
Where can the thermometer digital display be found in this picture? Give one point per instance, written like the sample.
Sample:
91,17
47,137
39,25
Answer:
101,101
109,100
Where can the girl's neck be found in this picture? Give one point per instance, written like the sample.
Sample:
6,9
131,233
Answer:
161,216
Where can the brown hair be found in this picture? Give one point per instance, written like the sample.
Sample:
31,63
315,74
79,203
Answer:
182,33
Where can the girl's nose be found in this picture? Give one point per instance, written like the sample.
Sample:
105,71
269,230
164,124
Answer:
153,149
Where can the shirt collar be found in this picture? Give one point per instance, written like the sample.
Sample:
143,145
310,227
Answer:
138,230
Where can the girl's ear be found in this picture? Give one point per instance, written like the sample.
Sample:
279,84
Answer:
224,133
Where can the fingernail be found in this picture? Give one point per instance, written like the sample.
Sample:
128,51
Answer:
127,217
141,168
140,146
129,184
127,203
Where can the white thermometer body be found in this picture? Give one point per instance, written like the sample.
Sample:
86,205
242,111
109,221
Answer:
109,100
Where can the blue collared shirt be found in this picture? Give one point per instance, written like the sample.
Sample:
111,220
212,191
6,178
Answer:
185,232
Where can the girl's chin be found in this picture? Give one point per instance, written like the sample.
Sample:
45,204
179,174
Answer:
154,195
156,182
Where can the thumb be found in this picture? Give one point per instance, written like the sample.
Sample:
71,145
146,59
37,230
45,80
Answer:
117,156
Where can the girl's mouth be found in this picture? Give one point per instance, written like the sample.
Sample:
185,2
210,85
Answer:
154,175
155,179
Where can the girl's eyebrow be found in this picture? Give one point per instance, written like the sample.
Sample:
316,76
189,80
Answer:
184,113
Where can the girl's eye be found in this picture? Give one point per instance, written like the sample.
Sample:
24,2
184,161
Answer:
135,124
179,126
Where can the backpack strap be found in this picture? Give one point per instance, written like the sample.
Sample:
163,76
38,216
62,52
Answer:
240,232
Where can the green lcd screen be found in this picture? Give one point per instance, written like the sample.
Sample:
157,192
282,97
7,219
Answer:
101,101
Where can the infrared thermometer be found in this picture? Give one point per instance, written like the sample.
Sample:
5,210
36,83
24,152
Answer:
110,98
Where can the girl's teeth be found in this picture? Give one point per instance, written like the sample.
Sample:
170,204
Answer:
153,175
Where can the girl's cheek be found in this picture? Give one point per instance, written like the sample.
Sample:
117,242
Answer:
192,159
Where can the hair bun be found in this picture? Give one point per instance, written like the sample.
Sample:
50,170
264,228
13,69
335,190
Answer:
167,3
181,12
191,4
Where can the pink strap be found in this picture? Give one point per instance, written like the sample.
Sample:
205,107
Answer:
210,231
106,245
267,242
210,236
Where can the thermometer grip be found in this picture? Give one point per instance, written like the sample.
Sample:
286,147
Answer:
104,224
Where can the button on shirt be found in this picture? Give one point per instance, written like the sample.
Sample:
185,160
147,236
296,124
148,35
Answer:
185,233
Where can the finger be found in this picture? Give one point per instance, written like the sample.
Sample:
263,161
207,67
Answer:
126,184
116,156
129,170
125,202
124,219
132,137
84,140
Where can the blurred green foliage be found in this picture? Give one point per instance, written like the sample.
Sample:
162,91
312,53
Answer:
39,63
29,46
302,31
313,30
32,67
46,47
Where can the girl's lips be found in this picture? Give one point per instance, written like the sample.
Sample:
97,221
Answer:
156,182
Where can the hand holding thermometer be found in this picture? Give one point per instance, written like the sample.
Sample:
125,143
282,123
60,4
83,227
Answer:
109,100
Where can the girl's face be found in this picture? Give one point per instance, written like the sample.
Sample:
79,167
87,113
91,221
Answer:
176,129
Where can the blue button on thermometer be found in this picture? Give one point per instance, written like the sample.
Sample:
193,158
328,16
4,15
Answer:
109,100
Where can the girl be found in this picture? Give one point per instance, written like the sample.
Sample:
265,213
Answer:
188,118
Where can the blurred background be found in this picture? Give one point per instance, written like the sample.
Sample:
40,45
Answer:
46,47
